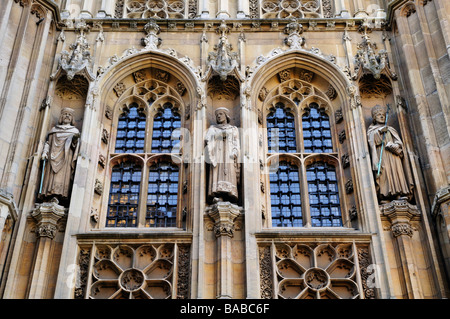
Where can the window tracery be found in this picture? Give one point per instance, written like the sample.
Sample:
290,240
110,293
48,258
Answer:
156,9
145,157
290,9
304,187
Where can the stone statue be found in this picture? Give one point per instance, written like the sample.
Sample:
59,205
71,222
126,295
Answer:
223,152
394,181
59,156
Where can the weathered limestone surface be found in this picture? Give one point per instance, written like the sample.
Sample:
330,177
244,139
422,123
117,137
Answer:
342,58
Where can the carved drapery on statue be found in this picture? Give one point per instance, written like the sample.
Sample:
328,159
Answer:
223,152
395,180
59,155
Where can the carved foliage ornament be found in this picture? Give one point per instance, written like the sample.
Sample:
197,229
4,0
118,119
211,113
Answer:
368,61
78,61
290,9
223,61
156,9
151,40
294,39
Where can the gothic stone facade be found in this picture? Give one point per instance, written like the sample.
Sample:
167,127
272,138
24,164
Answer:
110,190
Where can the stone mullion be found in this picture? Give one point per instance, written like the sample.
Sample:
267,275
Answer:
198,199
358,271
251,192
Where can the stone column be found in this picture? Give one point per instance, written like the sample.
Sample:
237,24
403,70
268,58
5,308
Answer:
224,214
400,214
222,10
46,216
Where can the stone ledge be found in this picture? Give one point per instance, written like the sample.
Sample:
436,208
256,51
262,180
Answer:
308,234
133,235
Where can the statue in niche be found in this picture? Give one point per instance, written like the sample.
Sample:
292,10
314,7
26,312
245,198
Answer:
394,180
59,156
223,152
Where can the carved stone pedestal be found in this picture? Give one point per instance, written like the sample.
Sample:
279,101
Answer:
401,216
46,216
224,214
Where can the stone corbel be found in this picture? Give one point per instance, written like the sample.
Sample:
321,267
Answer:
400,213
224,214
47,216
79,61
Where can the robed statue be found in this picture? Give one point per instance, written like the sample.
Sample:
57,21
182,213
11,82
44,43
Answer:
223,153
392,175
59,157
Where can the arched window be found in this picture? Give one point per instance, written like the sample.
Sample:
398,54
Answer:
281,130
165,124
304,190
285,196
131,131
162,195
124,195
323,194
146,139
316,131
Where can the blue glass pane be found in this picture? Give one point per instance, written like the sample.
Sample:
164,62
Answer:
316,131
323,195
285,196
124,195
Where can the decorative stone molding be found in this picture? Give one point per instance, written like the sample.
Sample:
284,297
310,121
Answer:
184,261
338,116
151,40
146,271
365,261
400,213
224,214
223,61
294,39
367,61
402,229
47,216
265,273
82,276
441,196
310,270
79,61
98,187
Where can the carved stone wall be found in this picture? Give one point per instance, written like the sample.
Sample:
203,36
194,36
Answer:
133,271
109,59
316,271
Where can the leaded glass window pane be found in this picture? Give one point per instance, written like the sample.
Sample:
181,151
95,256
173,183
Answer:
323,195
162,195
285,196
316,131
124,195
131,131
165,133
281,131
